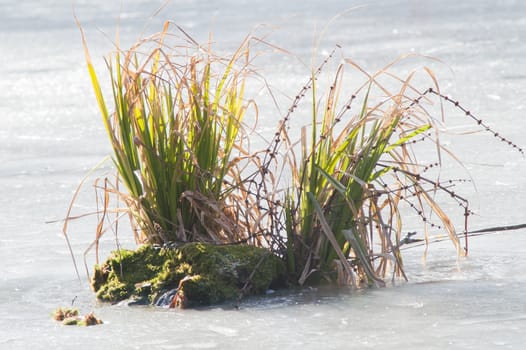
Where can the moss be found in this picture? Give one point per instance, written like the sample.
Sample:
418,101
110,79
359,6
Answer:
125,272
70,317
114,290
234,264
200,290
63,313
205,273
139,265
89,320
71,321
100,276
168,278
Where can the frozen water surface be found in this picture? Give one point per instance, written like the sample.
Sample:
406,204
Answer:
51,136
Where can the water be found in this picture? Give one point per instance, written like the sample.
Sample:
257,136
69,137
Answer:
51,136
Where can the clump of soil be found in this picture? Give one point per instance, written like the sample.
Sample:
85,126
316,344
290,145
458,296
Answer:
195,274
70,317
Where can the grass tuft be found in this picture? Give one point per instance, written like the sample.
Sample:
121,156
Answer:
177,135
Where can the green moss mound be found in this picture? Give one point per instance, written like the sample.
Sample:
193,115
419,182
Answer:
204,274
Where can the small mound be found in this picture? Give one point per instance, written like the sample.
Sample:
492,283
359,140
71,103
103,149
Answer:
195,274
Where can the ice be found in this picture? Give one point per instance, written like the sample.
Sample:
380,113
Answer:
52,134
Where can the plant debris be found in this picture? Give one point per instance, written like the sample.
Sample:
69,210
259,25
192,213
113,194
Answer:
70,317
